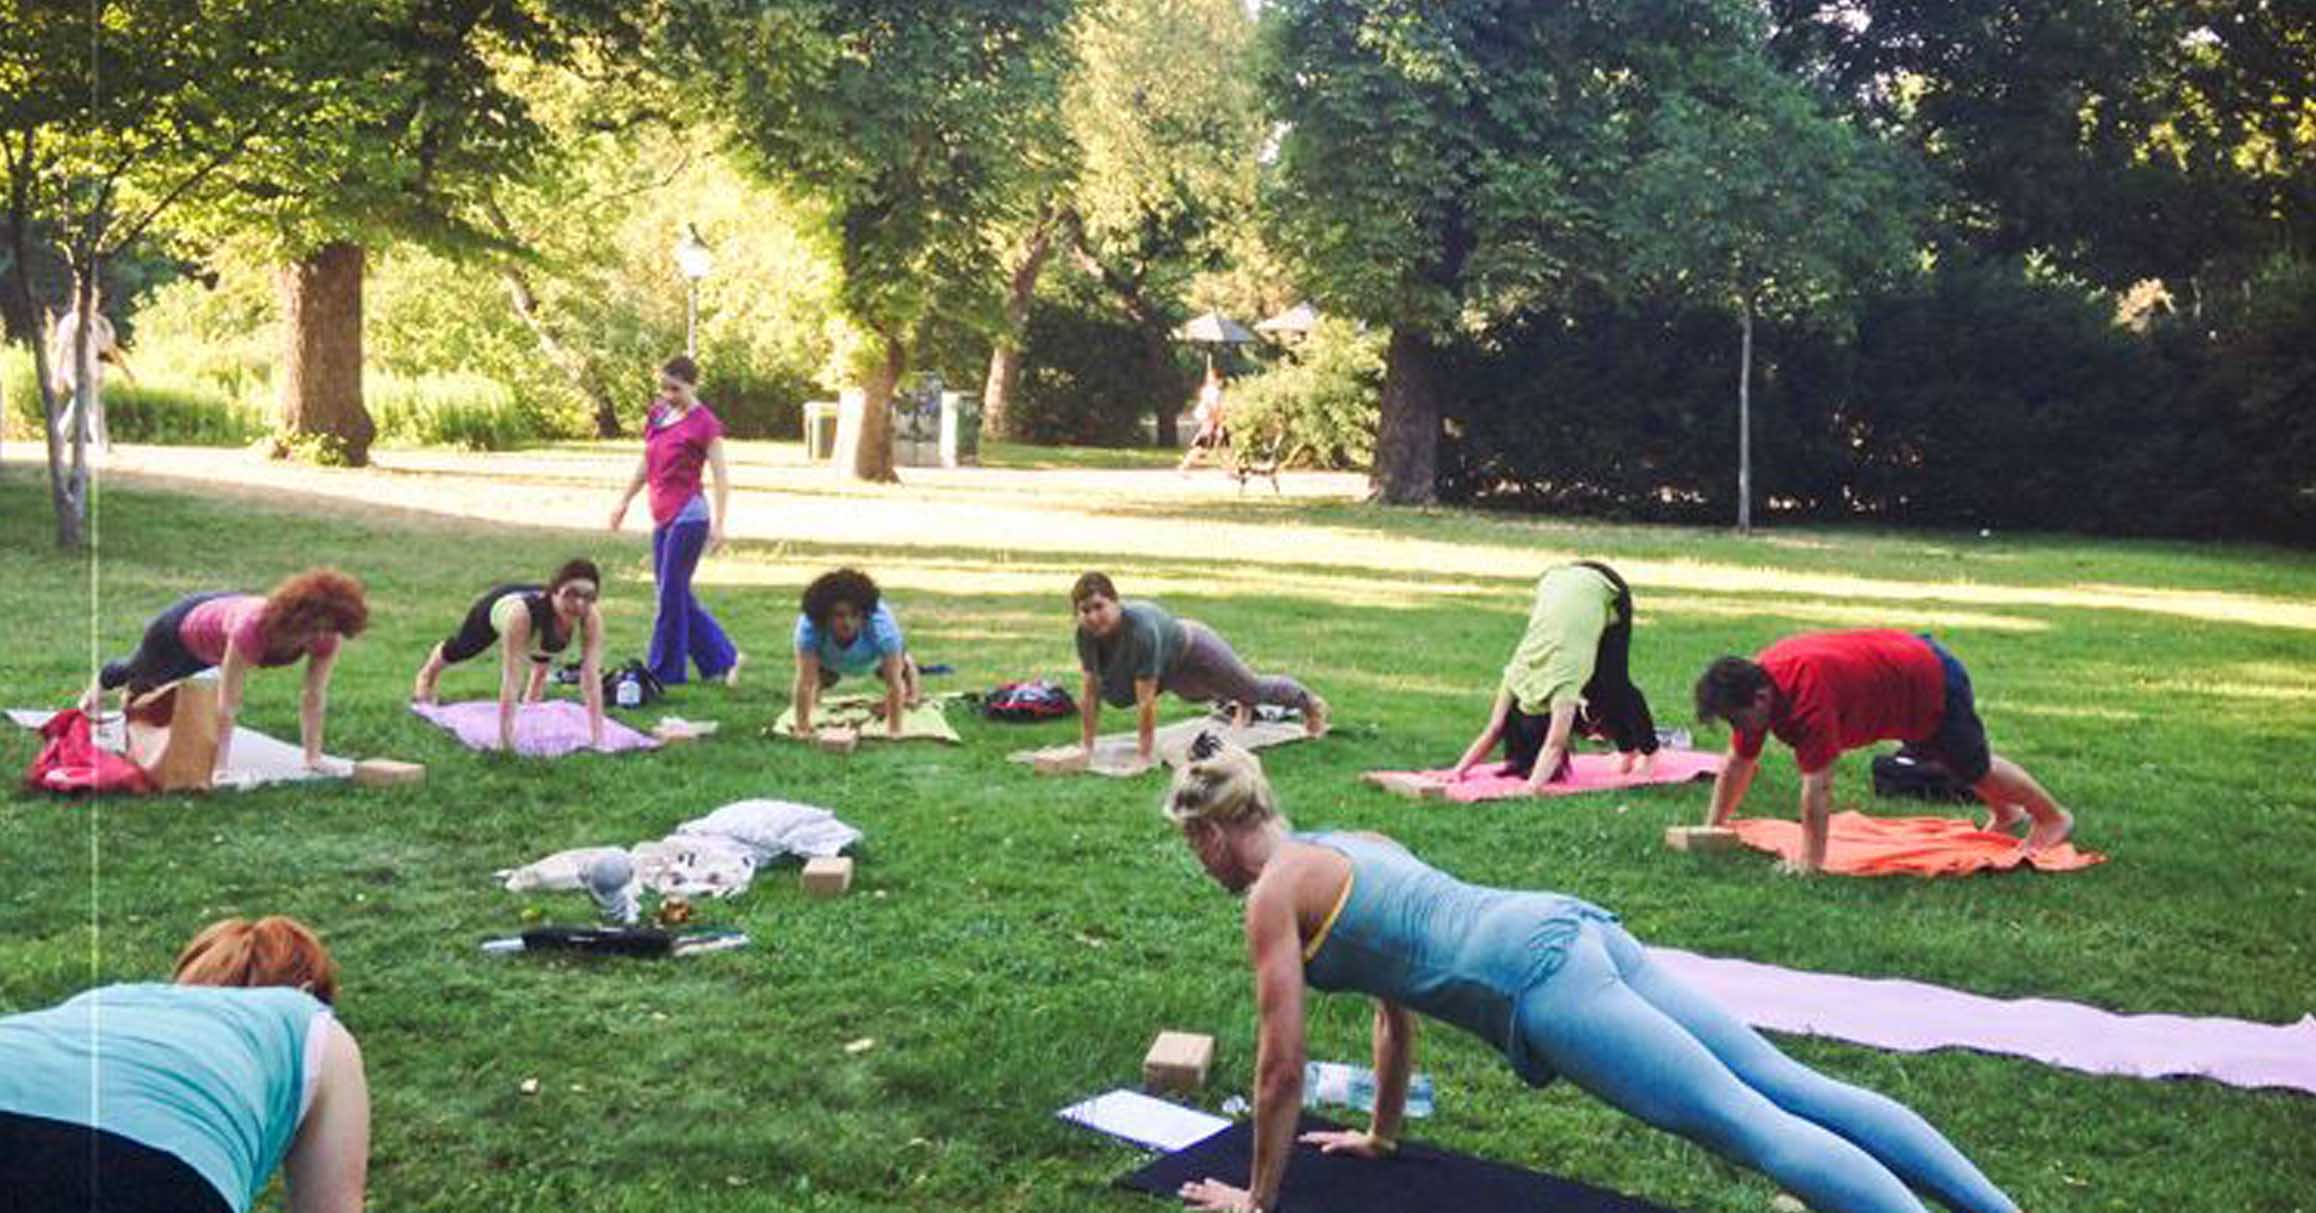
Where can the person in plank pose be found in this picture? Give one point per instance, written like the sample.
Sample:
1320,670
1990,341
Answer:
1826,692
845,627
1569,673
1551,981
187,1097
529,624
1130,651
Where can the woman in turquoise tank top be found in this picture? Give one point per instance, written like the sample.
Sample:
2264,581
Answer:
1550,981
185,1098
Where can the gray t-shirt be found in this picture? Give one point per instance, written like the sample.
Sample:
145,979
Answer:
1147,644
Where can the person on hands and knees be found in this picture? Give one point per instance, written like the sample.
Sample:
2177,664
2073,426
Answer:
1826,692
1550,981
530,624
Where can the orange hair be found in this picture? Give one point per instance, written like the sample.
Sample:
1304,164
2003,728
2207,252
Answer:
273,951
312,601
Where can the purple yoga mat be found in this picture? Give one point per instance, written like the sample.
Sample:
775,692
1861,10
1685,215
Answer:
1912,1017
542,730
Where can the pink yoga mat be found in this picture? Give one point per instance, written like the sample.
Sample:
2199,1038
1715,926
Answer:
1587,773
542,730
1914,1017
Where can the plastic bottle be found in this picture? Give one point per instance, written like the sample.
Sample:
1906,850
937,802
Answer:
1352,1086
630,694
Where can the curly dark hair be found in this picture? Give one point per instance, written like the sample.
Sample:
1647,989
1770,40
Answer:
1091,584
843,585
1728,685
579,569
315,600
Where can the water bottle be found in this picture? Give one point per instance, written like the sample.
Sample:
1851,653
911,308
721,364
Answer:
1352,1086
612,881
630,693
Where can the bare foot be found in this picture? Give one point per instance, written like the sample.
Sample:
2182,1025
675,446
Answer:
1315,717
2047,834
88,701
2005,819
1241,715
732,675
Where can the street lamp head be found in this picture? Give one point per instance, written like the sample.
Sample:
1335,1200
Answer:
693,256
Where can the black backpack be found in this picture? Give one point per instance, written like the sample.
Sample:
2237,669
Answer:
1028,701
647,685
1915,775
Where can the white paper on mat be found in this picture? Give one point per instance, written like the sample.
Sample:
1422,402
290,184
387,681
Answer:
1144,1120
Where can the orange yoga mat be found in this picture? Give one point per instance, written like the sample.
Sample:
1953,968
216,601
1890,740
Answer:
1858,845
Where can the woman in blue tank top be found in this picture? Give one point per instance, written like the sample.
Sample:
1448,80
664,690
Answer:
1550,981
185,1098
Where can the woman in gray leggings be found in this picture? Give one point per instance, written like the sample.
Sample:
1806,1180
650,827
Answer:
1130,651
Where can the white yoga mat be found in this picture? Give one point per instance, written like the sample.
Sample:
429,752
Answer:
257,759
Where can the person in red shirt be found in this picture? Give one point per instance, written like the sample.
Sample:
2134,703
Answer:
1826,692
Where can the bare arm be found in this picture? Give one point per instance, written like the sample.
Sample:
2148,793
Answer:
1089,709
896,689
1486,741
1730,786
806,691
1555,749
232,675
1816,812
314,704
1146,718
511,645
719,497
329,1162
1274,947
635,485
591,673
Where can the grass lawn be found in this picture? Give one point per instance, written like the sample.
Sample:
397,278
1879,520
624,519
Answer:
1012,943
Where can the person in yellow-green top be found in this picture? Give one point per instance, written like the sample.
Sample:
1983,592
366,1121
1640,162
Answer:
1569,672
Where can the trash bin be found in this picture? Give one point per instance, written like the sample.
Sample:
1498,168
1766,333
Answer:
819,430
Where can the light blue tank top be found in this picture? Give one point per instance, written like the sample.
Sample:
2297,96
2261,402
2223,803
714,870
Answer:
1410,933
210,1075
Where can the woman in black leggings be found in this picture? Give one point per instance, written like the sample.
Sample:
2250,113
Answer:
529,624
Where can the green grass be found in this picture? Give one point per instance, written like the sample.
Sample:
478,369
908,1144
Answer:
1026,455
1012,943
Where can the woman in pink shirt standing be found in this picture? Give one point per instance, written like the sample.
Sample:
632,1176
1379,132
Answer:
680,436
305,617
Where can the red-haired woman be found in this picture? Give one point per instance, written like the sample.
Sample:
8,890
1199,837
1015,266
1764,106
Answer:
187,1097
306,616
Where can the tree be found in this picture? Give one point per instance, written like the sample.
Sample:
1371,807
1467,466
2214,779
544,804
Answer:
907,123
1441,164
1747,195
113,120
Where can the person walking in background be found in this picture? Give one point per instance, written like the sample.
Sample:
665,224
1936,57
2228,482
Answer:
680,437
1210,415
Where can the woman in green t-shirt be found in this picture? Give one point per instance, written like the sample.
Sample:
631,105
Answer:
1569,671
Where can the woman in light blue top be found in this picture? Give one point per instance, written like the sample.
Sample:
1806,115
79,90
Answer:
846,627
1551,982
185,1098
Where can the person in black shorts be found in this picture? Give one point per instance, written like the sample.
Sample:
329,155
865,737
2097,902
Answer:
529,624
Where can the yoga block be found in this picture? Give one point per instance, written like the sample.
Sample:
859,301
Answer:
1177,1061
1060,763
1701,838
837,741
385,772
827,876
1408,783
173,733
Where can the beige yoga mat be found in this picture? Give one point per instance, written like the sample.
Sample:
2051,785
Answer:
1114,753
257,759
924,722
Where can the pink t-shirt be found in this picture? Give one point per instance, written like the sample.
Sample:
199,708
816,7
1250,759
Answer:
241,620
673,455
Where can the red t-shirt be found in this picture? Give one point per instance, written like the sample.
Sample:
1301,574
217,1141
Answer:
673,455
1840,690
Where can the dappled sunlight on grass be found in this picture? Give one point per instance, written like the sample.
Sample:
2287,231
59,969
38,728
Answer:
1820,613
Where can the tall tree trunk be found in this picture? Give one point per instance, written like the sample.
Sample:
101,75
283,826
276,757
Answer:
1745,418
1005,352
67,476
872,454
68,452
321,392
1406,470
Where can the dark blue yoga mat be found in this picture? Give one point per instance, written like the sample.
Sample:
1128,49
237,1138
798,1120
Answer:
1418,1177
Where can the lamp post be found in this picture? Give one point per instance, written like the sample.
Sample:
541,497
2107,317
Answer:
695,260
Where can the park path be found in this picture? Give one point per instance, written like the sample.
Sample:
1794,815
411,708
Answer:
1251,542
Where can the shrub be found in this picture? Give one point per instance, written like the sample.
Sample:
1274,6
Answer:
170,412
1321,402
1088,380
456,410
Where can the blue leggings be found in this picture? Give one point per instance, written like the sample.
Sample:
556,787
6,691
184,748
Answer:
1615,1025
682,632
